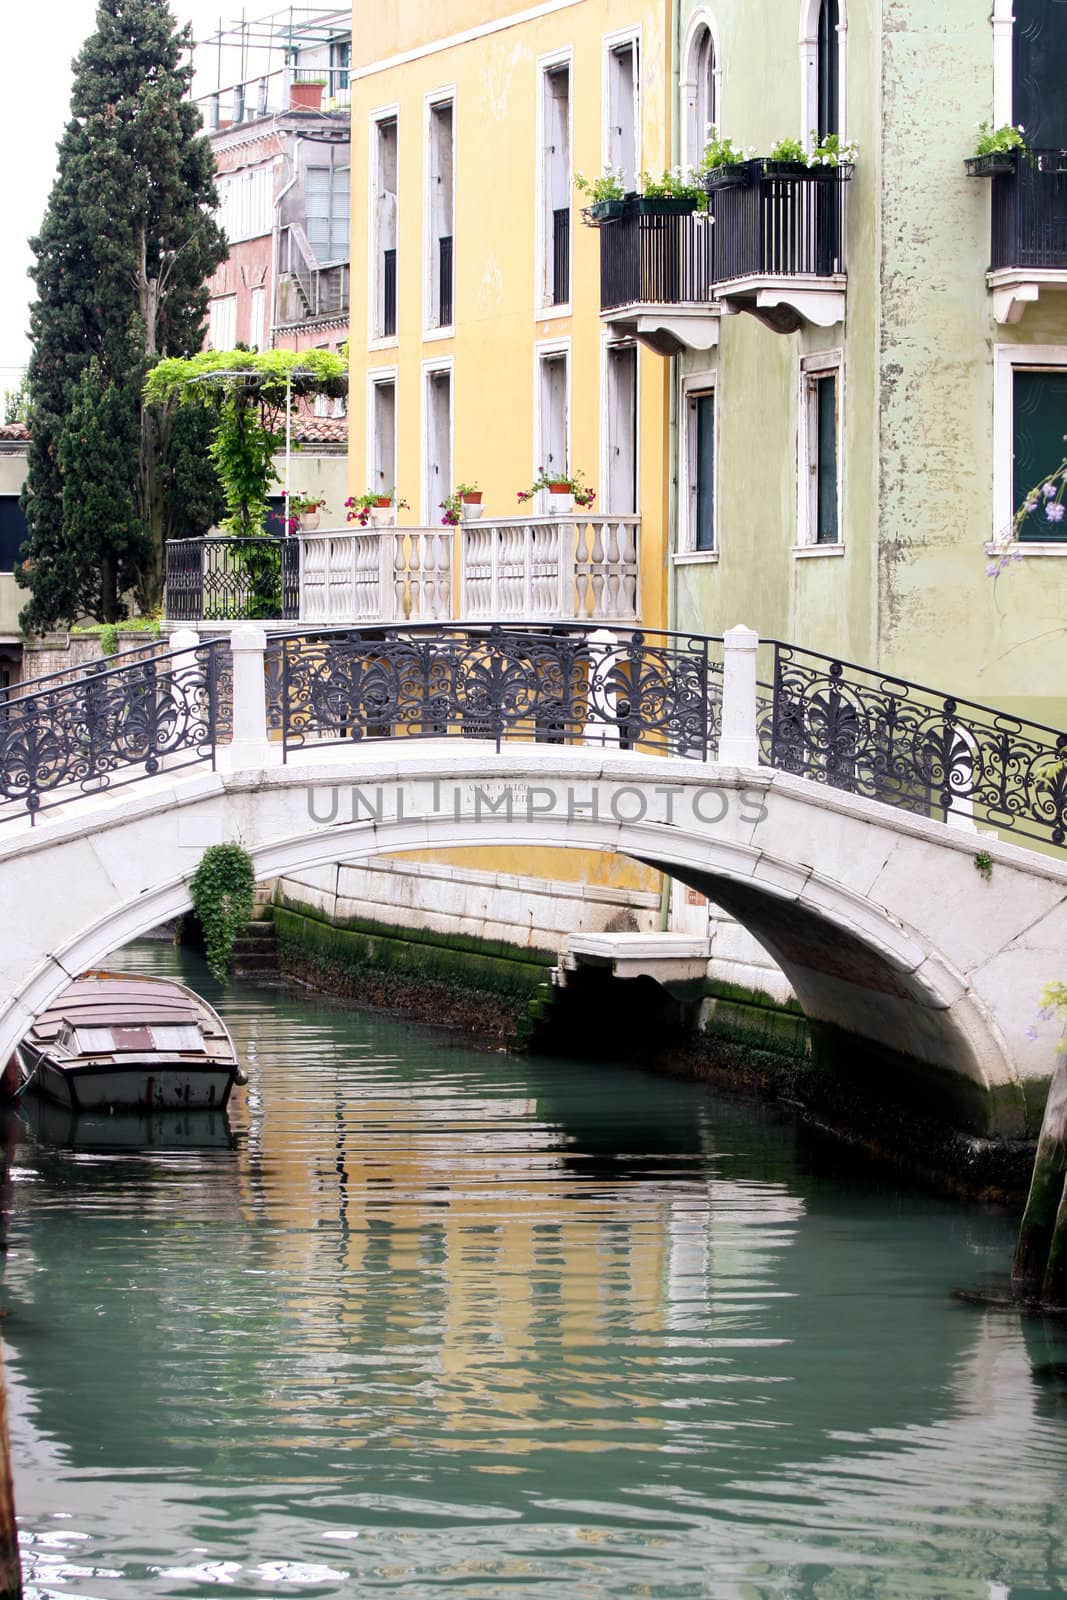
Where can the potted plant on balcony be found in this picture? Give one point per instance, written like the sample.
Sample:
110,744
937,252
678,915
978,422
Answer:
464,504
996,150
608,199
724,164
831,155
306,508
377,506
676,193
562,489
305,94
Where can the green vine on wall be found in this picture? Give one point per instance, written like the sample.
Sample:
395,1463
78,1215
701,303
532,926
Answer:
221,889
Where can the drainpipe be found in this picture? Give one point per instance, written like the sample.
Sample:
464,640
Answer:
276,243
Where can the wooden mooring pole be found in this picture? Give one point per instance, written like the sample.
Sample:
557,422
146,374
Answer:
1039,1271
10,1567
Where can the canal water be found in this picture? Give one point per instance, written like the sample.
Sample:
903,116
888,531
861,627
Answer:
430,1321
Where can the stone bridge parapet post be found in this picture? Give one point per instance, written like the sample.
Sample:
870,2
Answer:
250,746
738,734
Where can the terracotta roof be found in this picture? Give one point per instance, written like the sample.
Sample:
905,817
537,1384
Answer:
14,430
320,430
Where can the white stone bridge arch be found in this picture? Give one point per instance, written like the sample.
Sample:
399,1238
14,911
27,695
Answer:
903,955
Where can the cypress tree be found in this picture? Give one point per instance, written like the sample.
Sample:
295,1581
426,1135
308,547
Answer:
127,244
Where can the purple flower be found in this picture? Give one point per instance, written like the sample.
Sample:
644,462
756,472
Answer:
1031,1032
1029,505
1048,490
1054,511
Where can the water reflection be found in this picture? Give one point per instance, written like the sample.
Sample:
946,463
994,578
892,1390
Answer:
442,1321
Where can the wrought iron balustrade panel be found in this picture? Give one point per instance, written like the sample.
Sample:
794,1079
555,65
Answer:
222,579
564,685
561,256
912,747
109,729
1029,212
656,260
779,225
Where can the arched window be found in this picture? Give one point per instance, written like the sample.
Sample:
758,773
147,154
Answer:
828,109
699,88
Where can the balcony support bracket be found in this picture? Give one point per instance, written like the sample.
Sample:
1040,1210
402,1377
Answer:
1015,288
786,304
669,330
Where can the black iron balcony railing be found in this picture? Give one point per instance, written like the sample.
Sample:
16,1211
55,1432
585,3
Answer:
444,281
779,220
388,294
561,256
1029,212
655,260
222,579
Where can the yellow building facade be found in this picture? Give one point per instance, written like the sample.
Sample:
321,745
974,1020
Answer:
477,349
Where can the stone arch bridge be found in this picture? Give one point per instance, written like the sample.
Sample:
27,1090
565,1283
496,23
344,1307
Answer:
914,942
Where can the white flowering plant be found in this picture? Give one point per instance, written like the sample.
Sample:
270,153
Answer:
832,151
675,184
609,185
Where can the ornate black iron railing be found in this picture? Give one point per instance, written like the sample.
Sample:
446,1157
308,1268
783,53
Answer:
109,728
913,747
655,260
388,294
776,222
1029,212
444,281
559,684
222,579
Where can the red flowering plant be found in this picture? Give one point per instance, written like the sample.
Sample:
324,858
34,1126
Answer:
559,483
358,506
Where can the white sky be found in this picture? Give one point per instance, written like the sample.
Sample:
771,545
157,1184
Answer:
37,45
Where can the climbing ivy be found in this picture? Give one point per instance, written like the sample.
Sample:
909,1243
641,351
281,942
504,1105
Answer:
221,890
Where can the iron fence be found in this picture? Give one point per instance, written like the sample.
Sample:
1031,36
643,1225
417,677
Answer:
222,579
561,256
444,281
773,223
913,747
562,685
110,728
648,259
1029,212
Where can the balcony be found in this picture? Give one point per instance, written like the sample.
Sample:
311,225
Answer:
1028,233
656,280
308,288
577,568
778,242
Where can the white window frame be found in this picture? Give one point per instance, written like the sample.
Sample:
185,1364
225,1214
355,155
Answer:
694,384
257,326
543,308
607,343
1007,359
1003,21
612,42
819,364
809,69
375,118
376,377
443,96
547,348
214,317
435,367
688,87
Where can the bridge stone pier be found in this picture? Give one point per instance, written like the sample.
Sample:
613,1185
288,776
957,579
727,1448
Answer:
907,959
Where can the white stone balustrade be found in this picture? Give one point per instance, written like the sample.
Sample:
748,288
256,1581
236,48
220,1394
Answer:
581,568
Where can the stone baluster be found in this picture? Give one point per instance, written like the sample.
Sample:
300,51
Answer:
249,746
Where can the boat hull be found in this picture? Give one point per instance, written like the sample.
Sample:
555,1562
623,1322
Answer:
176,1086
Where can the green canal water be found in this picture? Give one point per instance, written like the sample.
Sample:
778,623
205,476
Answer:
439,1322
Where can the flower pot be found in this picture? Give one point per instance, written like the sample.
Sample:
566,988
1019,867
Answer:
665,205
472,506
602,211
560,500
994,165
305,96
309,521
738,175
383,514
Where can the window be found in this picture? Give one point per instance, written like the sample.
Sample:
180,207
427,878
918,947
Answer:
246,203
340,65
326,196
1039,406
556,184
257,319
222,323
819,509
699,95
438,436
623,110
439,215
553,382
13,531
699,530
621,429
381,416
1039,65
828,110
383,228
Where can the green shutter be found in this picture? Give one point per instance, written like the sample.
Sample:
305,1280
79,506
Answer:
826,529
1039,45
1039,422
705,528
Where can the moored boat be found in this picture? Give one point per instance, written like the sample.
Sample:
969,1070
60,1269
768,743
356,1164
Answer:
114,1041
